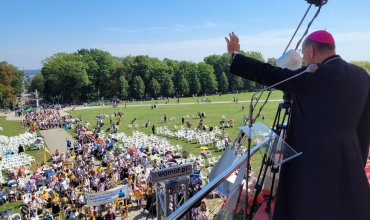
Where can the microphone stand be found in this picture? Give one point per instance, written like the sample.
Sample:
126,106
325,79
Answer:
310,68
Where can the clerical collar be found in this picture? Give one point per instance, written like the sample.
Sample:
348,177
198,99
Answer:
334,57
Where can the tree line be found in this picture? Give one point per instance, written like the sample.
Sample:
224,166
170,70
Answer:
91,74
11,84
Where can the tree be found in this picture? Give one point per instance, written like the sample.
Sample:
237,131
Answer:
17,83
101,67
65,73
37,83
194,83
207,78
364,64
123,87
9,80
183,86
168,87
237,83
154,88
27,84
183,70
253,54
138,88
271,61
223,83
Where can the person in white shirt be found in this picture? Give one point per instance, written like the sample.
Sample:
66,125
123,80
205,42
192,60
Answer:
73,215
196,168
3,195
64,185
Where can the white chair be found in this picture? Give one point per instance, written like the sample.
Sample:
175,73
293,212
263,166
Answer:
42,188
27,197
1,129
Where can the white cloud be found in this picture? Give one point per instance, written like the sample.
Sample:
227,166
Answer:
351,46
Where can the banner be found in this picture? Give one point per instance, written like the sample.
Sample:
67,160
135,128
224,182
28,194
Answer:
119,192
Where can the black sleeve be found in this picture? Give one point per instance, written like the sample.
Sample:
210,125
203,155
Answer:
265,73
363,129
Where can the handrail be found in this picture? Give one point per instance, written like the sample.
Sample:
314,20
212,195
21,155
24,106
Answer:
207,189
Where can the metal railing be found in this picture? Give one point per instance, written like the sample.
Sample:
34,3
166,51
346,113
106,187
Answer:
207,189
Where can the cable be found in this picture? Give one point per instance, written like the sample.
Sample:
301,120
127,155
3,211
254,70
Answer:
297,29
308,27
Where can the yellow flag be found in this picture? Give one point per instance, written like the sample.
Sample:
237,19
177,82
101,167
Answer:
62,215
46,150
114,180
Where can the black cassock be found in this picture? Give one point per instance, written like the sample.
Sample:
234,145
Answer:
330,124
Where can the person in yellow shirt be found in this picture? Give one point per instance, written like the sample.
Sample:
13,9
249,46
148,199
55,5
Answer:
46,195
138,193
100,168
109,166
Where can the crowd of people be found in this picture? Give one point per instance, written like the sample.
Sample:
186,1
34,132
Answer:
91,164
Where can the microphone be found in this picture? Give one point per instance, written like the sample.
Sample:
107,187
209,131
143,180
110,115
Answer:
310,69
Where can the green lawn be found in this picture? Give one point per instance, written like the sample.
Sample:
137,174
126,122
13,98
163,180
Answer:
214,98
11,128
214,112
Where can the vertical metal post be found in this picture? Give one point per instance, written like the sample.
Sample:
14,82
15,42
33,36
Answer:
186,194
166,200
248,160
158,204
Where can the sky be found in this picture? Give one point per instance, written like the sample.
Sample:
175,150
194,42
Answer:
32,30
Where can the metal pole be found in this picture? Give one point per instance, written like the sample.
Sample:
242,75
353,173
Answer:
157,202
248,159
186,194
166,200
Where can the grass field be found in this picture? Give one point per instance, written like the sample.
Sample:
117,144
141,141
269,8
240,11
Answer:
214,111
11,128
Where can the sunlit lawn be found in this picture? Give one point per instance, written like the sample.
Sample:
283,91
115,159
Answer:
11,128
214,112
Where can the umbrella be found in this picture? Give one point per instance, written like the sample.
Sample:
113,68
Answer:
141,154
88,133
99,139
132,149
168,152
29,109
203,148
36,176
49,173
